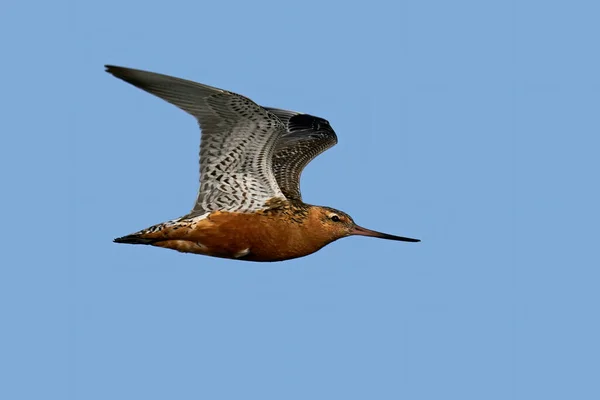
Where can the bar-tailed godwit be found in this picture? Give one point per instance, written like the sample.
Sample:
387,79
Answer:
249,205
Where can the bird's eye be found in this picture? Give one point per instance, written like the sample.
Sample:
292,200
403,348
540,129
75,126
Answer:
335,218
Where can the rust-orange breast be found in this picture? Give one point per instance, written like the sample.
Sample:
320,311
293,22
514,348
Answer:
249,236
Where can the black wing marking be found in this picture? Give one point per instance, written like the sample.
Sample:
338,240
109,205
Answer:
305,138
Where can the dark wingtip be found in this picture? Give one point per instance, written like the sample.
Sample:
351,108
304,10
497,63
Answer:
110,68
114,70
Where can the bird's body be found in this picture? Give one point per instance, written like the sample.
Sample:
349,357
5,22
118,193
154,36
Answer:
249,205
275,234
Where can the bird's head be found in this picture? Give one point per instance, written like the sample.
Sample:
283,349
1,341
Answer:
337,224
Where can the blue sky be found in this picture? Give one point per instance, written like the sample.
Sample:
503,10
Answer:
472,125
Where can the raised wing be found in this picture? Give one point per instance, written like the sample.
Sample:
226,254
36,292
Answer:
236,146
305,138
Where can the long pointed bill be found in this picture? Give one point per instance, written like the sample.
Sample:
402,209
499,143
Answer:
360,231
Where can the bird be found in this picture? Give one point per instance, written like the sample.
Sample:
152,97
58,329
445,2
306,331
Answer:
249,206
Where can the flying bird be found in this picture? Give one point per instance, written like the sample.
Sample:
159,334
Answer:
249,205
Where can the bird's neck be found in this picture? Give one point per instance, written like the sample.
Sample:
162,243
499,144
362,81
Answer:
301,222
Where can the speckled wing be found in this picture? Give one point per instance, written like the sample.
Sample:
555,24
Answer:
237,141
305,138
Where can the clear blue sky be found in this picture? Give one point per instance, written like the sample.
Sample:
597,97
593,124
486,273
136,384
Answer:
473,125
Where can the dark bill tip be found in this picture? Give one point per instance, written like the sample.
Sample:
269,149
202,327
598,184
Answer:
360,231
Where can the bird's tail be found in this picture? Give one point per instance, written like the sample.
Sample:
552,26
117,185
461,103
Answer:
135,238
152,235
172,235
